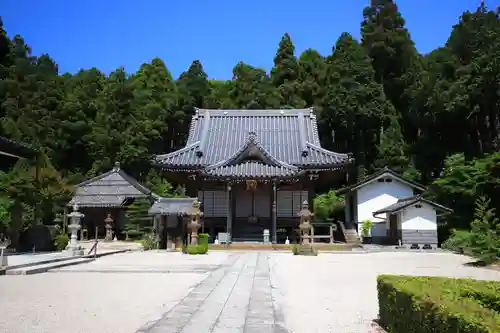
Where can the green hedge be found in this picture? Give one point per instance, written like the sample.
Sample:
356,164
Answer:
438,305
201,248
61,241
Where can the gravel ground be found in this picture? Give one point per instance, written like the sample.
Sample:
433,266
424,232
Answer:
222,292
337,292
81,299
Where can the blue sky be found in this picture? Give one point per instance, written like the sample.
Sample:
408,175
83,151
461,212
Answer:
111,33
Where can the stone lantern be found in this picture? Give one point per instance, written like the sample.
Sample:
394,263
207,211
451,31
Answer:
194,223
305,225
108,223
73,247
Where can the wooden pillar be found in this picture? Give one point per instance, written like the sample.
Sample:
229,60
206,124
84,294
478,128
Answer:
37,189
347,210
273,214
311,192
331,234
229,218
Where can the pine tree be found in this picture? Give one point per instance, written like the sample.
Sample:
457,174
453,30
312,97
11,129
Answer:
138,221
312,75
285,74
355,104
251,88
485,232
193,91
390,47
391,149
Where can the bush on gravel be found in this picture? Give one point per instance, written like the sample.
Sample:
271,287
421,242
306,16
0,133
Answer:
200,248
61,241
149,242
438,305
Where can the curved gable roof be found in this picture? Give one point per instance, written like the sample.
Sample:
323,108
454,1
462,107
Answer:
381,173
289,135
110,189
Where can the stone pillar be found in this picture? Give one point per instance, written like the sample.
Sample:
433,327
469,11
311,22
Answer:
229,218
273,216
73,247
108,224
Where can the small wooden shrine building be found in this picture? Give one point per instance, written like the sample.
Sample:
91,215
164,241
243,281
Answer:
170,219
109,193
252,169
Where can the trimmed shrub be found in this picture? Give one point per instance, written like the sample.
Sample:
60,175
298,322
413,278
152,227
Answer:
200,248
61,241
438,305
148,242
203,243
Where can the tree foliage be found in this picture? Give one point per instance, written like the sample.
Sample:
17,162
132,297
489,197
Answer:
434,117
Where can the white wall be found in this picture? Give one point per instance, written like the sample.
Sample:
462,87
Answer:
423,218
377,195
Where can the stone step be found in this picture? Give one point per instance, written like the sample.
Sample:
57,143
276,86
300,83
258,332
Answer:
41,268
306,250
350,234
36,263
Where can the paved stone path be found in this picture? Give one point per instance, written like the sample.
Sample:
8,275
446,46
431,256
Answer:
234,298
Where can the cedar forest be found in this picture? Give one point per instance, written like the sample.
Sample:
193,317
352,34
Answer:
433,117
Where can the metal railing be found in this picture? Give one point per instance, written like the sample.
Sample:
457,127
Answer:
94,247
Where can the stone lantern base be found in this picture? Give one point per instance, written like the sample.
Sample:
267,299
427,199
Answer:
305,250
74,252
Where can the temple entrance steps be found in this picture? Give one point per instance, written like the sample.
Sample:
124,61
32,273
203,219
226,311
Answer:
249,232
350,234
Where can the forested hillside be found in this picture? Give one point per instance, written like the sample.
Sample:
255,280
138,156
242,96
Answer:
433,117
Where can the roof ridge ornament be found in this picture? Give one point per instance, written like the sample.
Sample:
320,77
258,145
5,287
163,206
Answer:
116,168
204,134
252,137
303,139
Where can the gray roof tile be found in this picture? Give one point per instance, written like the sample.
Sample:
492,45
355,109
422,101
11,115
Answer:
216,135
251,169
405,202
110,189
381,173
172,206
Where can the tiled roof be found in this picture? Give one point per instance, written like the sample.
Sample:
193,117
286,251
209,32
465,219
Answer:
381,173
405,202
172,206
290,136
110,189
98,200
252,169
251,160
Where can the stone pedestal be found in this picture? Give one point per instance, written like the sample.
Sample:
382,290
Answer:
74,248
